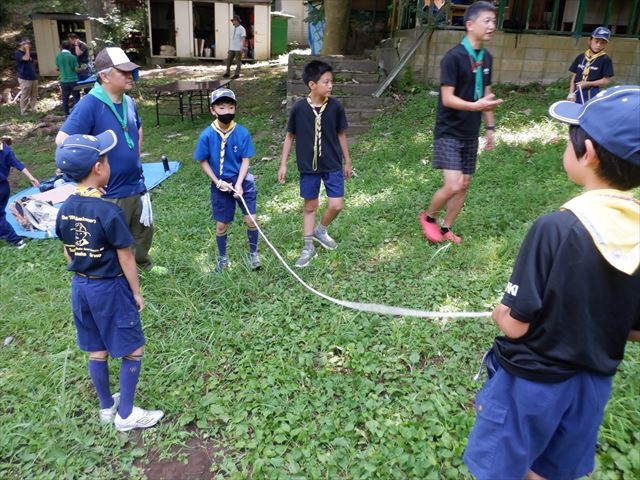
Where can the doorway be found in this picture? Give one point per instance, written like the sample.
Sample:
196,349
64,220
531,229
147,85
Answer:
203,29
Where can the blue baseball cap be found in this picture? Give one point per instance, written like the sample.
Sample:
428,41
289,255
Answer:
221,93
601,32
611,118
77,154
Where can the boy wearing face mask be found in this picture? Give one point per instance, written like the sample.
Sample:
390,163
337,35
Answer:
223,150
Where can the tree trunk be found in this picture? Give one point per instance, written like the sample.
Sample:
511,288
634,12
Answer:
336,27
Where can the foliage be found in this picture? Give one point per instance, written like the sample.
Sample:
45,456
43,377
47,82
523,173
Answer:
316,14
286,385
118,25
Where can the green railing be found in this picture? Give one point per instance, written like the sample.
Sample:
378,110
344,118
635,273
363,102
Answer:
563,17
553,17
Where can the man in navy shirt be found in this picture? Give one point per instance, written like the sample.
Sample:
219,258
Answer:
27,77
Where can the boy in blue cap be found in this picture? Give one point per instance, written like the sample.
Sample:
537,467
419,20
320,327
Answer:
569,308
105,291
224,150
592,69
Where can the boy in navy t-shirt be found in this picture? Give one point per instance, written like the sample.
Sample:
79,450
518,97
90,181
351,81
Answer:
569,308
592,69
318,125
105,291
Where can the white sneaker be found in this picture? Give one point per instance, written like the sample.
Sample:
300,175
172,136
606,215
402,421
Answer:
108,414
139,418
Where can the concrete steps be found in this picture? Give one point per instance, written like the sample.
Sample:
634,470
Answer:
355,80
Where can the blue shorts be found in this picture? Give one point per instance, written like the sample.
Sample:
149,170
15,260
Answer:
333,184
106,315
550,428
455,154
223,204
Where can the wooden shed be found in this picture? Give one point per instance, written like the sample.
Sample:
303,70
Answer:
49,30
201,28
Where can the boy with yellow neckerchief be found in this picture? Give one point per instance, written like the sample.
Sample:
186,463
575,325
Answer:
592,69
224,149
318,124
105,290
569,308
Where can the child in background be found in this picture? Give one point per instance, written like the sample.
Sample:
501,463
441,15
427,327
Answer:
569,308
7,160
105,291
318,124
224,149
592,69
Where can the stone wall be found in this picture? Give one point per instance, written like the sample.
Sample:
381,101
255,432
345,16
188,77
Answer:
518,58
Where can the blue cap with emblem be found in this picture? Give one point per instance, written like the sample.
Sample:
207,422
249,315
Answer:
77,154
221,93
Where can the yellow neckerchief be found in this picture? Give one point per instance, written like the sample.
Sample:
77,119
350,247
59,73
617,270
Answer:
589,58
224,135
317,138
88,191
612,218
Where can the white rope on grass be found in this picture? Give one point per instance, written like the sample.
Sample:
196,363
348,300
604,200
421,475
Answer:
364,307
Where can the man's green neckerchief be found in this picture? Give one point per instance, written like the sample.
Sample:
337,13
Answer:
100,93
476,57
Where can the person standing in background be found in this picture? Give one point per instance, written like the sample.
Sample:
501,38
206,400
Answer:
465,98
592,69
236,44
27,77
67,65
81,51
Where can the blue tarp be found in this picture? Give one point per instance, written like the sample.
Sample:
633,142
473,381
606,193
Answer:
154,174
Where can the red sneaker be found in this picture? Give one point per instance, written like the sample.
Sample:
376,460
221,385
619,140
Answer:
451,237
431,230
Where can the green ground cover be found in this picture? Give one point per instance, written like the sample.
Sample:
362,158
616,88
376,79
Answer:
276,382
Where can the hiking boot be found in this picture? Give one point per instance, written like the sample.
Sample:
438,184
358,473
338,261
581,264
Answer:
254,260
305,257
236,76
20,245
108,414
431,230
222,263
139,418
451,237
324,239
226,75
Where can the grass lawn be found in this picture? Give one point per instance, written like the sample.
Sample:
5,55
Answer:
260,378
